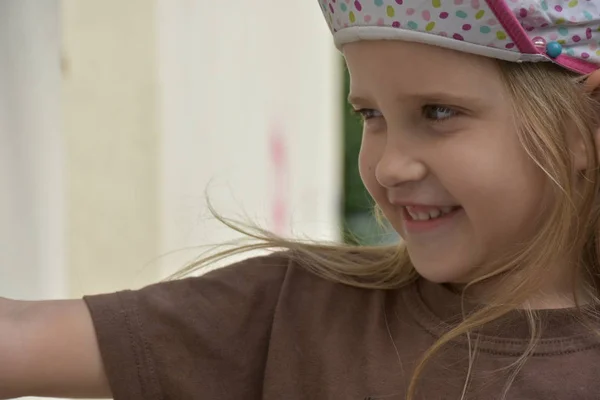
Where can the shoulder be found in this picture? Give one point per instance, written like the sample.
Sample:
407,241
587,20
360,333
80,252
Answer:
251,285
259,281
265,272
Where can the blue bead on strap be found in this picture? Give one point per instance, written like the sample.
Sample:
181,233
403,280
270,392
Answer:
553,49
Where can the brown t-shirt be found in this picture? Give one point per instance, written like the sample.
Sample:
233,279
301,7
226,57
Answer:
267,329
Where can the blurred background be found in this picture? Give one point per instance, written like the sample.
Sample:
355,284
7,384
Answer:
118,117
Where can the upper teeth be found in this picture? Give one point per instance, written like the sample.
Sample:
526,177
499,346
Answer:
432,213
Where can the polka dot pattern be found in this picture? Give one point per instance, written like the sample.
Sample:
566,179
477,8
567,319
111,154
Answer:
575,24
467,20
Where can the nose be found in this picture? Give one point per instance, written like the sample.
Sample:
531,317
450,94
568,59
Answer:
397,166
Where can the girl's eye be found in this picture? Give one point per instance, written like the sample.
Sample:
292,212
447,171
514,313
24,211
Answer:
367,113
437,113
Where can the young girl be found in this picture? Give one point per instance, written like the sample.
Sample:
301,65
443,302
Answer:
481,128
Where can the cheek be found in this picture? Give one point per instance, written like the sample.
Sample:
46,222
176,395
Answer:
367,164
524,200
507,202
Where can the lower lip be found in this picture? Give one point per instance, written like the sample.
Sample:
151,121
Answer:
422,226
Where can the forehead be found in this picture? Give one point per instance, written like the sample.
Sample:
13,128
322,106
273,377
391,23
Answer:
414,67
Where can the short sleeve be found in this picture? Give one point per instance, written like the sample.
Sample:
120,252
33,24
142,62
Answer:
197,338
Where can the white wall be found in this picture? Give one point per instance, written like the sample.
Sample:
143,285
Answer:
110,114
239,80
32,185
105,167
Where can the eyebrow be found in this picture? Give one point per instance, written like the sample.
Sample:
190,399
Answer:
441,97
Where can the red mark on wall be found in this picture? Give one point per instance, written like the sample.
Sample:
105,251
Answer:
280,168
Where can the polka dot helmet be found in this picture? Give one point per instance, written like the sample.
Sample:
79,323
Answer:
566,32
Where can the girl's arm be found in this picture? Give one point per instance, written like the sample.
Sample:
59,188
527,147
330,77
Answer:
49,349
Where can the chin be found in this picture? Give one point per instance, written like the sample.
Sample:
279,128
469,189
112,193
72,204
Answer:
440,270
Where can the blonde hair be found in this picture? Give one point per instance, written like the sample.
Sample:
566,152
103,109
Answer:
548,101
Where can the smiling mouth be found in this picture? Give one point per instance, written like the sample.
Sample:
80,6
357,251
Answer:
429,213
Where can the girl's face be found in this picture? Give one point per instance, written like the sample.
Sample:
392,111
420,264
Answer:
441,156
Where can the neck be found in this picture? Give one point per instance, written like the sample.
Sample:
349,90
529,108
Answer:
556,291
